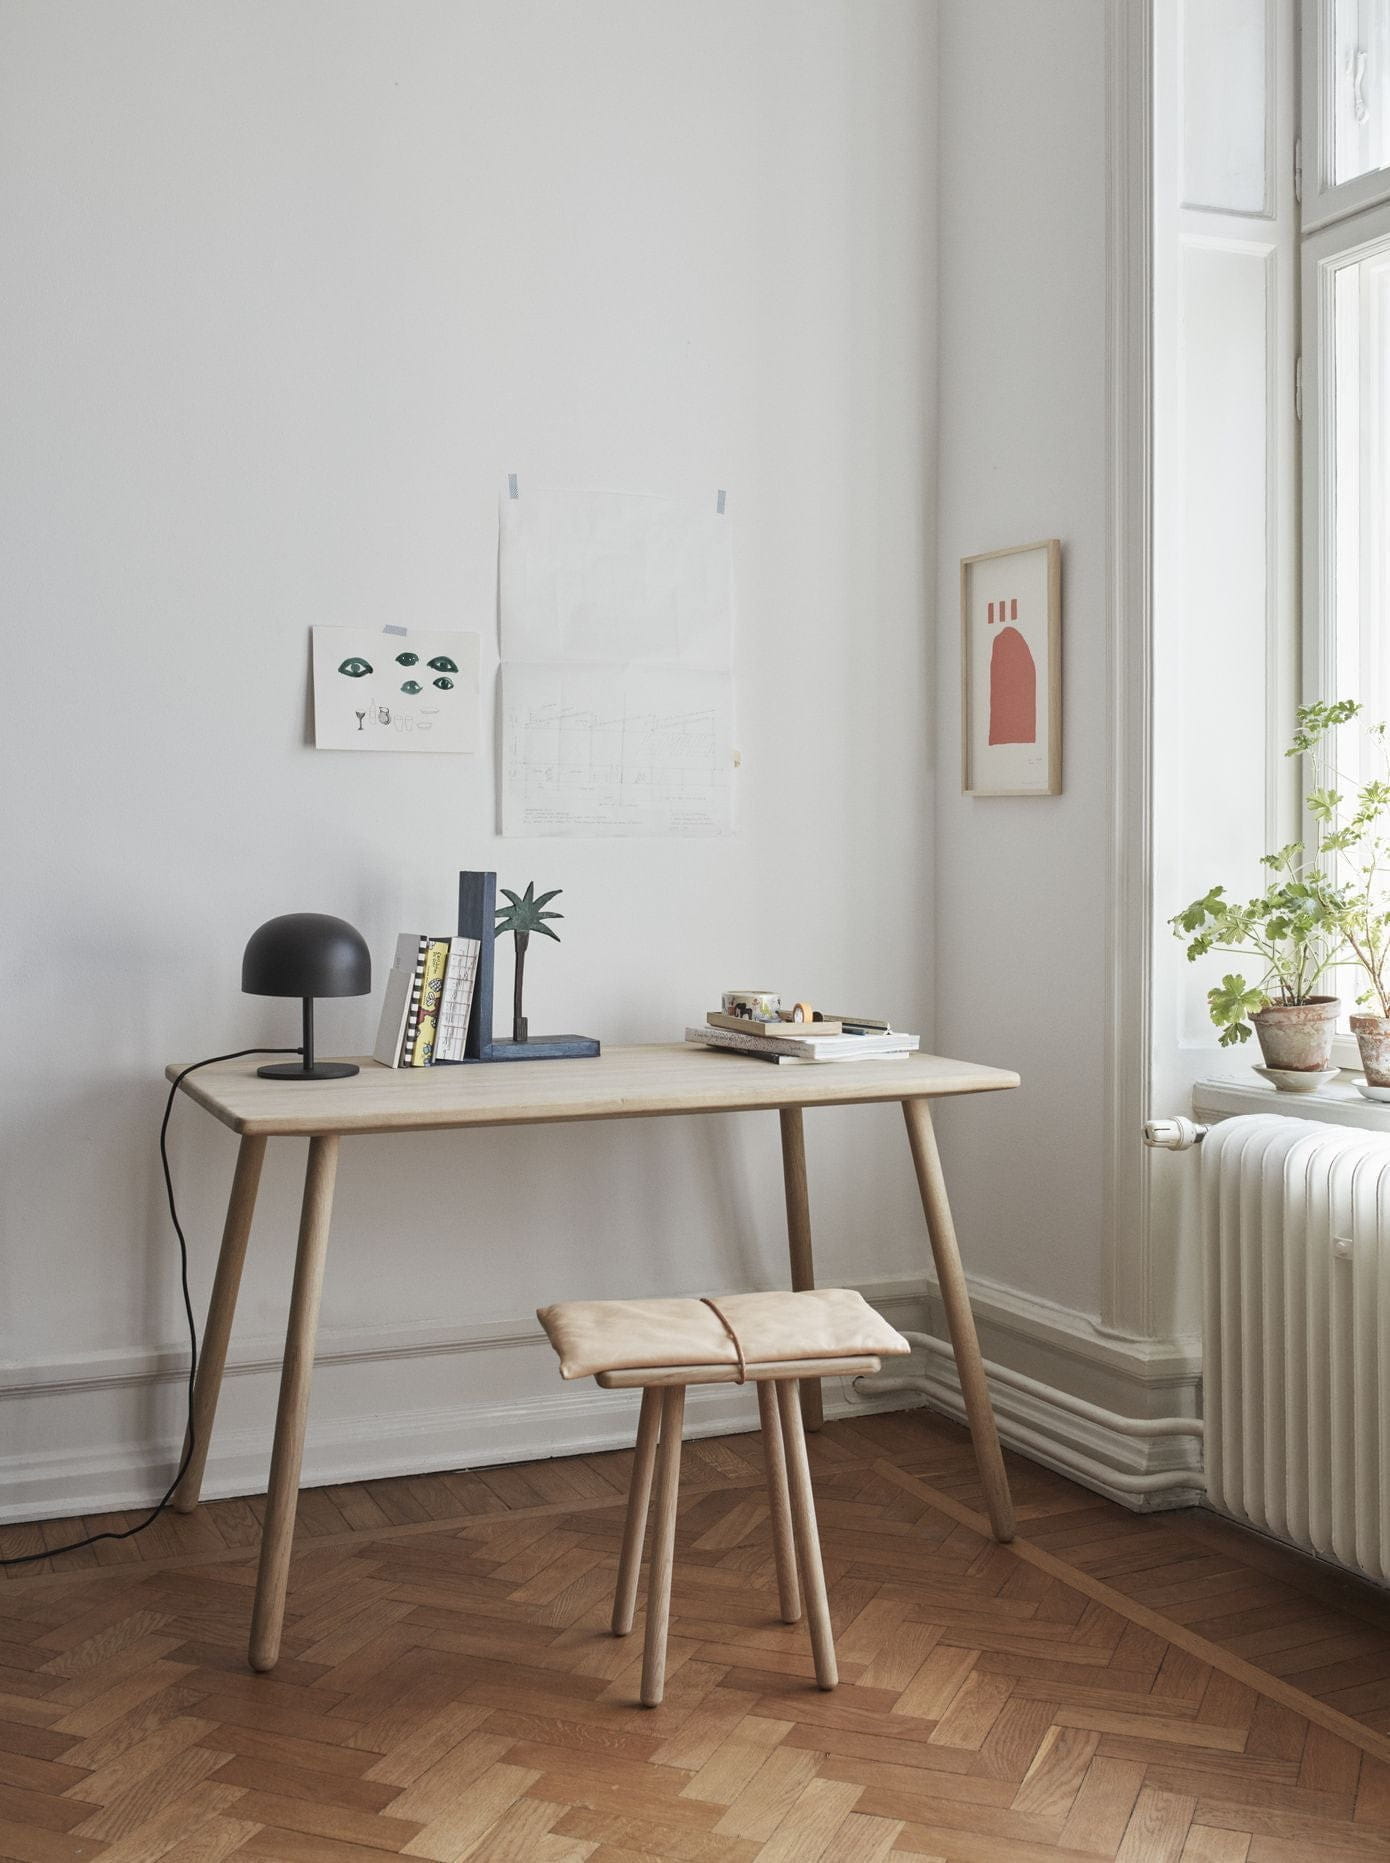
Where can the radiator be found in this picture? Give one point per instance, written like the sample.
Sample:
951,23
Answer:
1295,1221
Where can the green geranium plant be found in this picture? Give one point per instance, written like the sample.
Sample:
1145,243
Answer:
1291,929
1353,819
1298,927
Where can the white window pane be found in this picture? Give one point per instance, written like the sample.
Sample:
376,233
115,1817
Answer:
1361,488
1359,87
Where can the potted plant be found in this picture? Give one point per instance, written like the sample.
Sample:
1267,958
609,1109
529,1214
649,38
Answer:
1291,930
1296,930
1354,824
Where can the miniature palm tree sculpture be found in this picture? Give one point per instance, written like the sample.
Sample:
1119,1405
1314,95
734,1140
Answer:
522,917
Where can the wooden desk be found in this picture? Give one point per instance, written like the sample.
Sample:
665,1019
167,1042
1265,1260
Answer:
622,1083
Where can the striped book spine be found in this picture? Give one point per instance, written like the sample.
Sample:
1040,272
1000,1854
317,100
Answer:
416,959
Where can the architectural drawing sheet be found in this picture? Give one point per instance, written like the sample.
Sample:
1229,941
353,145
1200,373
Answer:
617,618
616,750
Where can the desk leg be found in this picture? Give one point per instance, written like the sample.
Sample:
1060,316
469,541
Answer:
207,1386
960,1321
803,1271
277,1537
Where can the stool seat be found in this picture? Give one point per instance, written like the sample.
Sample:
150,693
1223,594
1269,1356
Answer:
594,1338
772,1340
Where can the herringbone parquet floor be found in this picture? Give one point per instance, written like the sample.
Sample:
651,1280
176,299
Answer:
449,1689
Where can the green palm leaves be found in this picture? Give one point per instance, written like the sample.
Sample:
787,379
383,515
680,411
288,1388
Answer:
524,914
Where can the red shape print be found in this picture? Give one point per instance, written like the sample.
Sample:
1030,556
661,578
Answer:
1013,690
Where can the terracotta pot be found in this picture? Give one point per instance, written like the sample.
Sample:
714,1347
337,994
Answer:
1373,1039
1298,1036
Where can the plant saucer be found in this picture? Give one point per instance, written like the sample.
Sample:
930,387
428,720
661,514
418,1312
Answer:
1368,1092
1299,1080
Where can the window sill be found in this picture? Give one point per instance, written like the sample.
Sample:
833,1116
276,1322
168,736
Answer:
1337,1104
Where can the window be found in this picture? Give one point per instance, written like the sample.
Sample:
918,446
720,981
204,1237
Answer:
1347,458
1345,239
1346,105
1346,352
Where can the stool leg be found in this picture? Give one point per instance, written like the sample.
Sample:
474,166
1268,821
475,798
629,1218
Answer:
807,1538
639,1495
668,1476
779,1502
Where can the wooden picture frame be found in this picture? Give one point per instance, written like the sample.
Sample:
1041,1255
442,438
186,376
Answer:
1011,671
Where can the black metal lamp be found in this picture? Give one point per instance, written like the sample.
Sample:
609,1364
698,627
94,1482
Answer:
307,954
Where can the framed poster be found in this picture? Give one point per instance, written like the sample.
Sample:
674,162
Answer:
1011,671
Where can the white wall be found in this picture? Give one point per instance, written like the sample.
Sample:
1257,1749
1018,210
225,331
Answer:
1037,154
1020,885
290,287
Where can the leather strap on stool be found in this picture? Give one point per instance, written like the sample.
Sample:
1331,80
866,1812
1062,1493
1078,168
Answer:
723,1319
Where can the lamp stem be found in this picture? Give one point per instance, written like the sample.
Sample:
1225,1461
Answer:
308,1034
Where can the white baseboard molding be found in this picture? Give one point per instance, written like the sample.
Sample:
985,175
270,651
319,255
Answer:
1119,1416
103,1431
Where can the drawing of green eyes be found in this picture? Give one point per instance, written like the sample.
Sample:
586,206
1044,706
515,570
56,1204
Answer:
441,663
445,685
356,667
412,686
407,659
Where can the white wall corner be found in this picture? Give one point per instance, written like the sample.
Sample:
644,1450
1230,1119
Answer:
1133,1301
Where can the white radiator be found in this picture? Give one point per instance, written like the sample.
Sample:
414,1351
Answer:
1296,1243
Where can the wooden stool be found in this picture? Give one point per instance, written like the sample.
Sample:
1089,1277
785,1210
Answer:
660,1347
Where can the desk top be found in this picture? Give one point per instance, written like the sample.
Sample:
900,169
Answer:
621,1083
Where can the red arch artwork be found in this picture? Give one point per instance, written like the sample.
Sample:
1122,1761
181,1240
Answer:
1013,689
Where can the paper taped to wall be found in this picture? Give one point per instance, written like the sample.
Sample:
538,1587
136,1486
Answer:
616,750
617,616
616,576
395,689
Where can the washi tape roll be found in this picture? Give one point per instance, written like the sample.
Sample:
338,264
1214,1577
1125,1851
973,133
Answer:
799,1012
752,1005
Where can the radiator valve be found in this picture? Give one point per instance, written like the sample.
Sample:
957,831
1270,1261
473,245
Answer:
1173,1134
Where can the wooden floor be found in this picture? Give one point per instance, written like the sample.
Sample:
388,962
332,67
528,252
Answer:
1154,1689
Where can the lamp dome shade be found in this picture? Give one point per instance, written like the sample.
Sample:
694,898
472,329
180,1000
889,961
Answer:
307,954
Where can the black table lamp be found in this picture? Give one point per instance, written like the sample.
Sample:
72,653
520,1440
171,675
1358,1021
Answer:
307,954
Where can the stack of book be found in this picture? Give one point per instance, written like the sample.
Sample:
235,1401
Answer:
801,1044
429,997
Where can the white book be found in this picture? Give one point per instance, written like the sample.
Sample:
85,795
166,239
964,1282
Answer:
807,1047
456,1001
395,1009
802,1060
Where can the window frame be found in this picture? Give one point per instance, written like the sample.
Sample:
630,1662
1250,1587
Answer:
1336,224
1323,200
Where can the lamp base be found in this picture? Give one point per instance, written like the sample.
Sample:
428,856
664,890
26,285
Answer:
320,1070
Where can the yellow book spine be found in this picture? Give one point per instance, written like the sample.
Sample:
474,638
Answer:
432,989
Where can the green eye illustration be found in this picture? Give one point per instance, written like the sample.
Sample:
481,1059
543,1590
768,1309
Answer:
407,659
441,663
445,685
412,686
356,667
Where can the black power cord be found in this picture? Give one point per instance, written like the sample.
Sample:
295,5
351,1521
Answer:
52,1552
